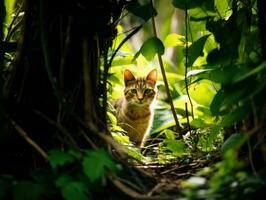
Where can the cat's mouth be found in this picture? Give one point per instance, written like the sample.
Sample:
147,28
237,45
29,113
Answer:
141,103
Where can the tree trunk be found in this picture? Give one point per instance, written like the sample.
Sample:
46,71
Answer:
56,80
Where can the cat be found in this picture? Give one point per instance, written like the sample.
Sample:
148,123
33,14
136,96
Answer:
134,111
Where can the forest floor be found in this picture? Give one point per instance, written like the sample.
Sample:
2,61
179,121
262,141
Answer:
168,180
170,177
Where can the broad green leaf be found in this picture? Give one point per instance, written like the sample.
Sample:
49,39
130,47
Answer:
136,153
97,163
197,123
27,190
214,131
217,102
196,49
199,90
174,39
250,72
59,158
222,7
145,11
172,77
226,99
150,48
75,191
127,60
9,4
176,146
197,72
221,75
112,118
236,116
124,139
62,181
72,190
189,4
201,14
169,134
234,142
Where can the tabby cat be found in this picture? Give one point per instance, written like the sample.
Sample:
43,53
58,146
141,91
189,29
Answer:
134,111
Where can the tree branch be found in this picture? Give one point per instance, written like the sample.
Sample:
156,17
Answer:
23,134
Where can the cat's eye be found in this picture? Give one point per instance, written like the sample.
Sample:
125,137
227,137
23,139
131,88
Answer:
148,91
134,91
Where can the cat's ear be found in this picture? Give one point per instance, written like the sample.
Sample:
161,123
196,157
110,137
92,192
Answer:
128,76
152,76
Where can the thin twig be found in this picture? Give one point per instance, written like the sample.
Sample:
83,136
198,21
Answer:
178,126
250,157
132,193
189,128
186,64
23,134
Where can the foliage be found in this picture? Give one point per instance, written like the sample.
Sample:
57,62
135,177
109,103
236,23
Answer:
216,69
225,74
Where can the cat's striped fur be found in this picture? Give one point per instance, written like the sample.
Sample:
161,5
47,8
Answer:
134,112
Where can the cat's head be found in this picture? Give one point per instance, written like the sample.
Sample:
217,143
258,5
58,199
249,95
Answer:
138,90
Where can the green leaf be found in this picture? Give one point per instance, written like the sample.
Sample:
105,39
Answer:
217,102
127,60
27,190
234,142
225,99
150,47
112,118
174,39
72,190
250,72
198,123
75,191
169,134
145,11
97,163
63,181
176,146
197,72
196,49
236,116
59,158
189,4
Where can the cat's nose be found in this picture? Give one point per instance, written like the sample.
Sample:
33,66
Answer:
140,98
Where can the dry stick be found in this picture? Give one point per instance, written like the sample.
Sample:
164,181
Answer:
28,139
186,64
250,157
132,193
178,127
189,128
